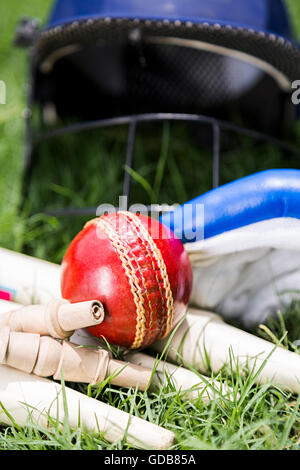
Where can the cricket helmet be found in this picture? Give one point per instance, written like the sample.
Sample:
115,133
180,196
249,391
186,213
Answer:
99,59
98,63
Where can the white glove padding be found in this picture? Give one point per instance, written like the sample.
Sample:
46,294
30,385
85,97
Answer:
248,273
247,265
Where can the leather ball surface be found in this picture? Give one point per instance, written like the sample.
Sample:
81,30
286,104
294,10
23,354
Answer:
137,268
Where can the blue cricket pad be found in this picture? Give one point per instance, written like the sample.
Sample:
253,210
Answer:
263,196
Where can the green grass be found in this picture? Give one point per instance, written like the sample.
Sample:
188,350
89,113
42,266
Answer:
256,417
169,167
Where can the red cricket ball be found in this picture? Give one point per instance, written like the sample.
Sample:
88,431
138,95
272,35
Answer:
137,268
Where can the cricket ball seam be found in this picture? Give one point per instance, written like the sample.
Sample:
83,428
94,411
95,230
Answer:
133,279
149,308
160,261
160,318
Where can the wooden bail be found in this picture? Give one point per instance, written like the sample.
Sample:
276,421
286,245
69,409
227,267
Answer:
22,351
94,366
82,364
125,374
44,356
48,357
58,318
